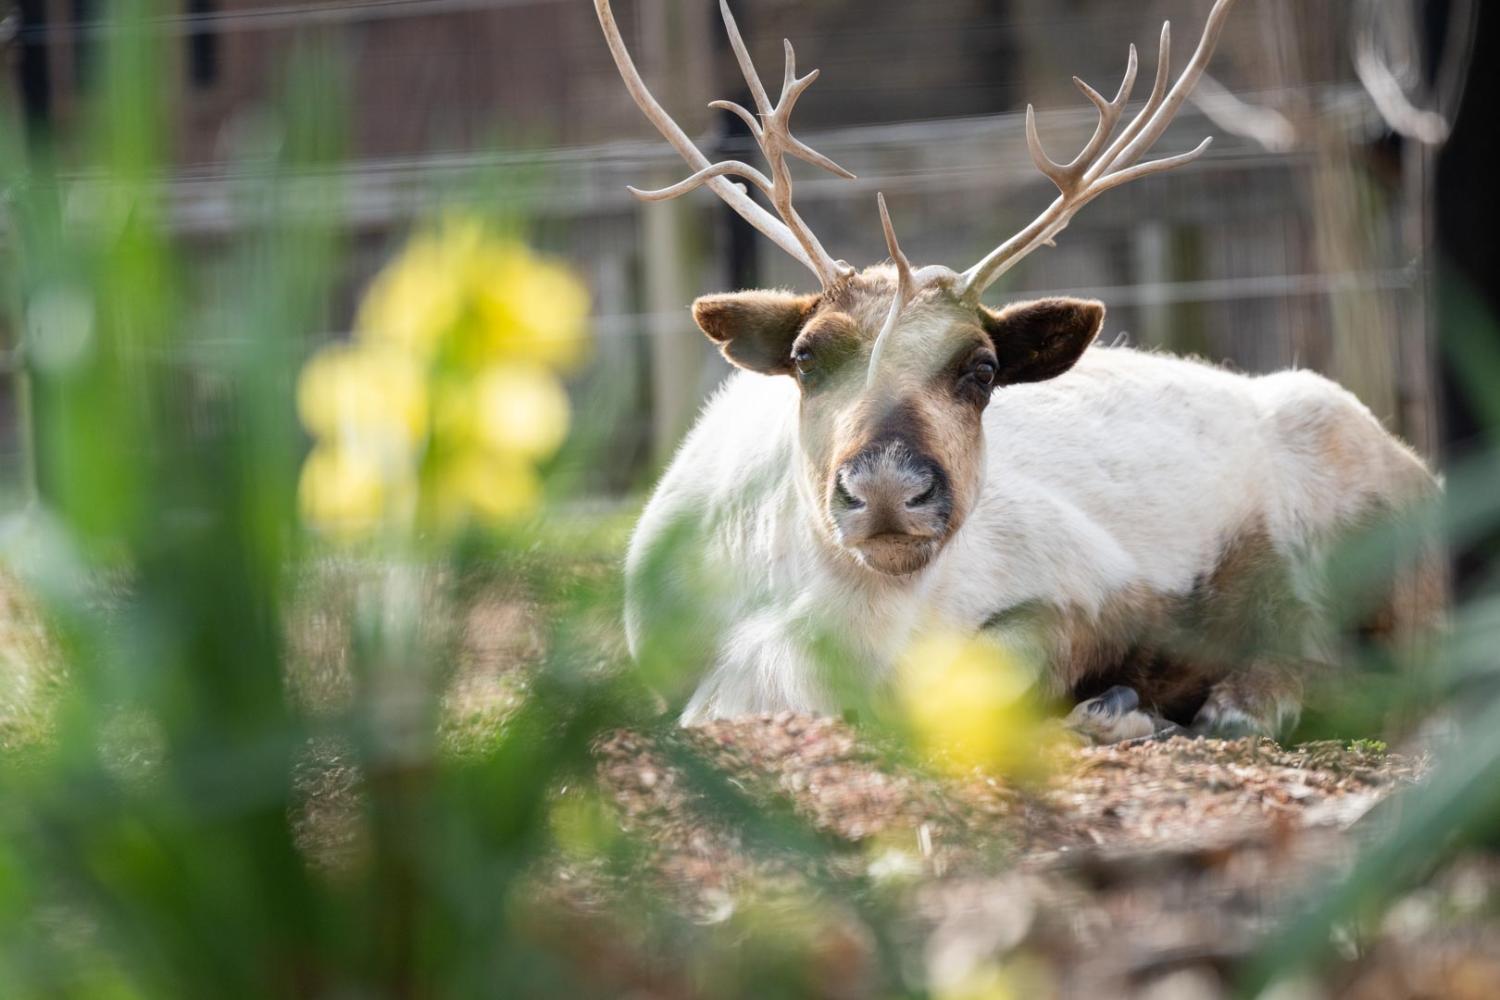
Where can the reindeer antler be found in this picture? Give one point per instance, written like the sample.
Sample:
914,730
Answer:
772,132
1103,164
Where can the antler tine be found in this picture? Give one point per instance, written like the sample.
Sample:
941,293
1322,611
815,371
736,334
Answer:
1109,111
789,74
802,151
792,88
904,283
1067,176
1100,167
906,287
777,142
733,194
740,112
1056,172
1157,121
705,175
1115,179
742,56
1158,94
772,133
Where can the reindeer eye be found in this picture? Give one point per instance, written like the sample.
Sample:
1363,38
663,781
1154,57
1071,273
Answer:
984,373
804,361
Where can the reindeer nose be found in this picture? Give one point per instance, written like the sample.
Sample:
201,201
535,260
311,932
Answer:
848,492
888,485
909,488
923,492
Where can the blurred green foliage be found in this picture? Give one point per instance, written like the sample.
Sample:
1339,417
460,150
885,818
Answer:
155,809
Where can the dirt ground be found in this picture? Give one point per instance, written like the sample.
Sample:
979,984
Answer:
1151,870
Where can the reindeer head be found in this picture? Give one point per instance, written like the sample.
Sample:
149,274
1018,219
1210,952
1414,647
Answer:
892,449
895,365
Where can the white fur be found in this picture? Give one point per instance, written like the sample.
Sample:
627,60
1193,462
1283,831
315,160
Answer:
1133,468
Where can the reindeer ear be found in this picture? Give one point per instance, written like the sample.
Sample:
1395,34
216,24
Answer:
755,330
1035,341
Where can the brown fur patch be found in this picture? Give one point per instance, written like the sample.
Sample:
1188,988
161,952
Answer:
1416,606
832,337
1036,341
755,329
1418,602
1178,650
1262,697
955,444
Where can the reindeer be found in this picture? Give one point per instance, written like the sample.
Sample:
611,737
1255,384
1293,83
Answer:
895,454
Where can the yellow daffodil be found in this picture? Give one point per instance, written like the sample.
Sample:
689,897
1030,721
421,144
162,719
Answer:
522,409
455,411
967,703
344,493
479,487
416,301
451,374
352,391
534,309
986,981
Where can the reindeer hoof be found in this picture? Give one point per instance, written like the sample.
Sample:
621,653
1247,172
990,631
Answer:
1230,725
1112,717
1222,718
1116,701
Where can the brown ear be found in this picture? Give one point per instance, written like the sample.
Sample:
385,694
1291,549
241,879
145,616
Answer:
1035,341
755,330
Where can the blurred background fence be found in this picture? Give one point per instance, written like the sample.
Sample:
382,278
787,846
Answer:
1301,238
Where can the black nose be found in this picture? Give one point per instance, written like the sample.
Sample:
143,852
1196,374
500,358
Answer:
891,478
928,496
841,495
911,487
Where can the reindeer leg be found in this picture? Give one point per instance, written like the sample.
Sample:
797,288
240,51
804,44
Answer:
1261,699
1116,716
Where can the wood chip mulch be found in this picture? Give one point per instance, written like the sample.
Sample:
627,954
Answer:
1126,871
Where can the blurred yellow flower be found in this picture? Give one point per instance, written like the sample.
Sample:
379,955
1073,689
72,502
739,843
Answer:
376,393
450,384
986,981
521,409
416,301
479,486
536,309
343,492
454,279
455,411
968,704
